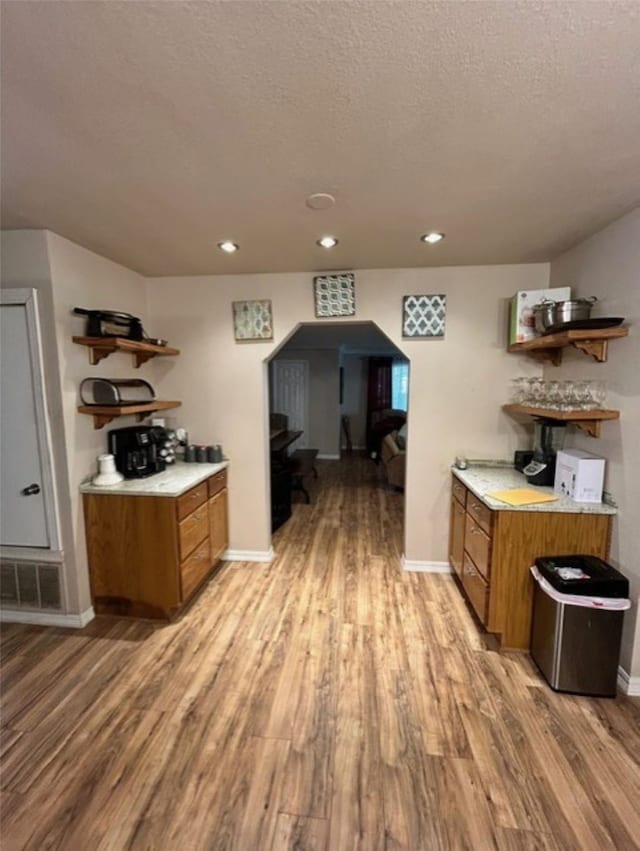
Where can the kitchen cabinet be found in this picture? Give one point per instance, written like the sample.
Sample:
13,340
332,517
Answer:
217,515
149,554
456,529
491,550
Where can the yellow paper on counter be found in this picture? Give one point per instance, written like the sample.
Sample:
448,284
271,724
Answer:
522,496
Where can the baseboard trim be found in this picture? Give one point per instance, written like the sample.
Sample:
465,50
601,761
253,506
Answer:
628,684
47,618
326,456
248,555
425,566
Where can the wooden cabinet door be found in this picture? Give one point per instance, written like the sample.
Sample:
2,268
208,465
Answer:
218,526
456,536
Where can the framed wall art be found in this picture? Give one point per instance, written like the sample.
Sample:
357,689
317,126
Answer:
335,295
252,320
423,315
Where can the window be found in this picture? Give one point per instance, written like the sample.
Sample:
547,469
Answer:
400,385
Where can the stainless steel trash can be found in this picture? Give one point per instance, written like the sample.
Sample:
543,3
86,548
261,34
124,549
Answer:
578,609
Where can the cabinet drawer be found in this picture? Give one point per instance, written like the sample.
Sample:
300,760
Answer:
480,513
478,545
459,491
193,529
194,569
476,588
190,500
217,483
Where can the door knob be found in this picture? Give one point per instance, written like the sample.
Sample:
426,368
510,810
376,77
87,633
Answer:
31,490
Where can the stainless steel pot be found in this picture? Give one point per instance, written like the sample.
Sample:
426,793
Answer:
543,315
569,311
549,313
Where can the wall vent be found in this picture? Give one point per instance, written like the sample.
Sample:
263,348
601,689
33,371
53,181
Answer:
29,585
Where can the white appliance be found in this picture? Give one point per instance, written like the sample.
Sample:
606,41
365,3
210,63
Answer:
522,320
579,475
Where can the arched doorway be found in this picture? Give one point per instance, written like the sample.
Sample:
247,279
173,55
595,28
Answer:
337,392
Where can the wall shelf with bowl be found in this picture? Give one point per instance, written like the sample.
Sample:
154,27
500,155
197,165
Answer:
104,414
588,421
102,347
592,341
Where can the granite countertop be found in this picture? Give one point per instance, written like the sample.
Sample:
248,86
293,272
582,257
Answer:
483,478
174,481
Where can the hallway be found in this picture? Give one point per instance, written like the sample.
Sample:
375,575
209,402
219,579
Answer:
324,701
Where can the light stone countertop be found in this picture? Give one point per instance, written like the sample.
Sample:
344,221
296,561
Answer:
175,480
483,479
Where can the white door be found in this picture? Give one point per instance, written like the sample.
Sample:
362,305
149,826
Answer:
23,515
290,378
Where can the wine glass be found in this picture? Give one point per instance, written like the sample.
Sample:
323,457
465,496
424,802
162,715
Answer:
597,394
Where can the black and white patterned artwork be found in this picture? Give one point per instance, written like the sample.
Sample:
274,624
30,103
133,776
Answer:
423,315
252,320
335,295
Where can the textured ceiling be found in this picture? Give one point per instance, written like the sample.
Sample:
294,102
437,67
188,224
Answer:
148,131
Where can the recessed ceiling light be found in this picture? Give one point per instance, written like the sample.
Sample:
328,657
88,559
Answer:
327,241
432,238
228,246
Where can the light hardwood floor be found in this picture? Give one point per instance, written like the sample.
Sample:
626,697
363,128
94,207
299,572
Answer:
325,701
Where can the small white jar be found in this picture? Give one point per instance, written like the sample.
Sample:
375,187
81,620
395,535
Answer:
107,473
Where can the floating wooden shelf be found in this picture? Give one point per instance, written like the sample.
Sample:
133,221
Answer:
102,347
549,347
104,414
588,421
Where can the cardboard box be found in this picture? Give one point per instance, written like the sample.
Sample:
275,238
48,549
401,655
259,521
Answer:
521,319
579,475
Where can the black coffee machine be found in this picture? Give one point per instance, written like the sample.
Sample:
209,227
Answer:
137,450
548,439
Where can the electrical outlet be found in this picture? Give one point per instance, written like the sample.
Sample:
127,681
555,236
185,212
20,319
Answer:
608,498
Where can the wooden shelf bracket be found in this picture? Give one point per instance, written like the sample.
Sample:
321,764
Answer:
590,427
104,414
102,347
596,348
594,342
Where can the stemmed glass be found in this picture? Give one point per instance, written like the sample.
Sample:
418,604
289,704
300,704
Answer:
582,395
596,394
536,392
553,395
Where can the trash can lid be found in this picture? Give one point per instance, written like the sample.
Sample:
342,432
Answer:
583,575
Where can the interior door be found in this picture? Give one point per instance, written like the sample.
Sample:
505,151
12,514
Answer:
290,395
23,517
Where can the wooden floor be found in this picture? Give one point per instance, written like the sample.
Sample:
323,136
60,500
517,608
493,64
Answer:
325,701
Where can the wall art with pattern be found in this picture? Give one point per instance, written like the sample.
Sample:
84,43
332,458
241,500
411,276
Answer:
423,315
335,295
252,320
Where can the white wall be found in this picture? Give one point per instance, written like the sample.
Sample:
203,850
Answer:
354,403
324,393
608,265
81,278
459,381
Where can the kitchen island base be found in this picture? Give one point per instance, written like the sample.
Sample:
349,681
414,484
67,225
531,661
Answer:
492,549
148,555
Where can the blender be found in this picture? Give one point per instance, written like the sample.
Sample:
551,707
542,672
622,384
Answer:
548,439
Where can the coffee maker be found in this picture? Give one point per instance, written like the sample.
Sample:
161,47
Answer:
548,439
137,450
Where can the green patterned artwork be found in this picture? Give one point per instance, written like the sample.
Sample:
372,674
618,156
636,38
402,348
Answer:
252,320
